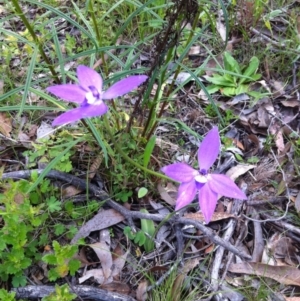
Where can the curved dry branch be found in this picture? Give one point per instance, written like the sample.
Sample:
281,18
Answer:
83,291
128,214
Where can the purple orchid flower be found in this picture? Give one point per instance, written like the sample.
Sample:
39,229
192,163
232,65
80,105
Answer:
209,186
88,93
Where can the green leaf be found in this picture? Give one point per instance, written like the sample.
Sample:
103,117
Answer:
220,81
50,259
241,89
53,163
19,280
53,275
228,91
256,77
142,192
28,80
53,204
128,232
2,245
231,64
250,70
6,296
74,265
148,227
140,238
148,150
212,89
59,229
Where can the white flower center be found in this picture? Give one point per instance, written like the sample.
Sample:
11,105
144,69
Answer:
201,179
91,99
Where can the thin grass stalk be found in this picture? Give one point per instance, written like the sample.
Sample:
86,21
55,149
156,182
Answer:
153,107
35,38
165,103
157,61
105,67
127,158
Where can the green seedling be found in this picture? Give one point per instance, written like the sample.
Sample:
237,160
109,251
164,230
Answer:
61,293
149,228
142,237
6,296
235,79
62,260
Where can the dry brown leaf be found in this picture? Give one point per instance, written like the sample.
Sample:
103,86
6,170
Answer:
297,202
209,249
292,298
97,274
239,144
103,253
165,193
119,263
70,191
81,256
280,250
221,28
276,130
189,265
102,220
279,141
117,287
298,26
236,171
290,103
283,274
195,50
166,145
5,125
95,166
177,287
198,216
141,292
1,81
181,278
278,88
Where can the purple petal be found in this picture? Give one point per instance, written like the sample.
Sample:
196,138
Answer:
79,113
208,202
72,93
89,77
186,194
124,86
180,172
224,186
209,149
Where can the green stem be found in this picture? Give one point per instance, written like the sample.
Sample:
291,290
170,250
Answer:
105,67
122,153
35,39
92,5
194,26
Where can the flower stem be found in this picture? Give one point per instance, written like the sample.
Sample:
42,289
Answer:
105,66
165,103
35,38
122,153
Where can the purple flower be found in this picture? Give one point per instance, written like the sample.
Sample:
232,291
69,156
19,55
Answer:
88,93
209,186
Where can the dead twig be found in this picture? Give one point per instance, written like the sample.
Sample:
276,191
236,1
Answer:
258,240
129,215
84,291
237,206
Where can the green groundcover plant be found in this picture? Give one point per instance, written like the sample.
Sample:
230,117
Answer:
235,79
